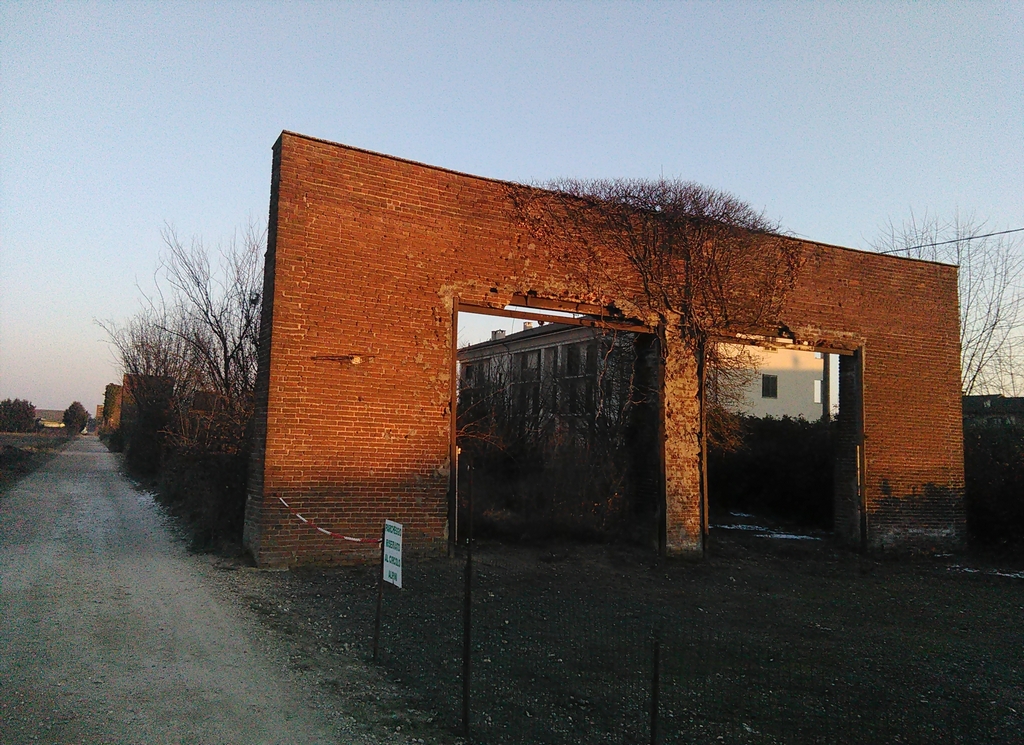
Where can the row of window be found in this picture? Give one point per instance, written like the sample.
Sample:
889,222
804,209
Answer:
566,361
568,398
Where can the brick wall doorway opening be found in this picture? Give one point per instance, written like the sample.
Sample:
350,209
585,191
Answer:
772,436
556,434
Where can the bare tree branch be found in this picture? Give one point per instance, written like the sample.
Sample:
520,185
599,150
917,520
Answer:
990,287
667,250
199,328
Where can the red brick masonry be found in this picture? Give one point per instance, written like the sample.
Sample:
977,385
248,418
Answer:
366,256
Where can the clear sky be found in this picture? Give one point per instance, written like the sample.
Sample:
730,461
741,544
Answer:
118,118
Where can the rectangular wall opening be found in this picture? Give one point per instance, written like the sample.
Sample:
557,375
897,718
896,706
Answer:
556,429
773,442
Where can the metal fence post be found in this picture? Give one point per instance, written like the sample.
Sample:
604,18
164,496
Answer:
380,597
655,690
467,609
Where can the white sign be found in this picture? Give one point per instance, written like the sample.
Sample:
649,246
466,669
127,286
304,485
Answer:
393,553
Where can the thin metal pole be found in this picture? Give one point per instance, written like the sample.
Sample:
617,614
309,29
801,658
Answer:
380,597
655,690
662,348
453,435
467,609
862,496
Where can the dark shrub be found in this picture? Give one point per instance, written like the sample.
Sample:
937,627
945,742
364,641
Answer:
114,440
782,469
142,440
994,472
208,491
557,485
75,418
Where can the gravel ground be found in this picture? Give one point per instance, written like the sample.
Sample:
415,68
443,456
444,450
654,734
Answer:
111,633
771,639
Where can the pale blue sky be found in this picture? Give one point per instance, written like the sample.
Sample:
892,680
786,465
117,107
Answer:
117,118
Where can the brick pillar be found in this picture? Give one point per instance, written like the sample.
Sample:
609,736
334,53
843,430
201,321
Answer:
681,424
254,528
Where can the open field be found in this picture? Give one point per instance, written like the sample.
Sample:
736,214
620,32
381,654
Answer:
22,453
768,640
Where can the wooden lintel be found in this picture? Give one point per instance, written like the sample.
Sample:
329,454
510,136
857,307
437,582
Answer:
354,359
754,340
532,301
589,321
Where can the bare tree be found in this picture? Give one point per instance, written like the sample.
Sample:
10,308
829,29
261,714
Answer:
685,257
668,247
146,348
217,307
697,263
990,287
199,329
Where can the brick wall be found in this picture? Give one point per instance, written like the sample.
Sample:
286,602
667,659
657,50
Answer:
365,259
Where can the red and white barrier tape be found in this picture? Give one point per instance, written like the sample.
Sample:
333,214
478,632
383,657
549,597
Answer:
312,524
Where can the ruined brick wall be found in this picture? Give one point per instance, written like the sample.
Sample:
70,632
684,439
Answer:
367,255
111,408
254,525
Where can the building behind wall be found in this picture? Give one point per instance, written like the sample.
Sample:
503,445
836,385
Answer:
780,382
531,390
562,421
993,410
50,418
549,372
788,382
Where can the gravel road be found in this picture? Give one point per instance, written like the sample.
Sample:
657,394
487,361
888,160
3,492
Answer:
110,632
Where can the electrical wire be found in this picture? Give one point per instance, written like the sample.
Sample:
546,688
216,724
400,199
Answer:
955,240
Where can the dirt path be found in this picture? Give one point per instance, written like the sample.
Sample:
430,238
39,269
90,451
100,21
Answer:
110,632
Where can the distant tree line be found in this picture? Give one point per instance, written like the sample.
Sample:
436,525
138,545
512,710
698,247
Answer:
19,415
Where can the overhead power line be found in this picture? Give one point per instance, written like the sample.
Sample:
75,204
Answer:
955,240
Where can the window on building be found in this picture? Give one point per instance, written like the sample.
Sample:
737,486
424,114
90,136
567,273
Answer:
769,386
550,362
817,391
591,361
529,401
580,396
529,365
572,360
